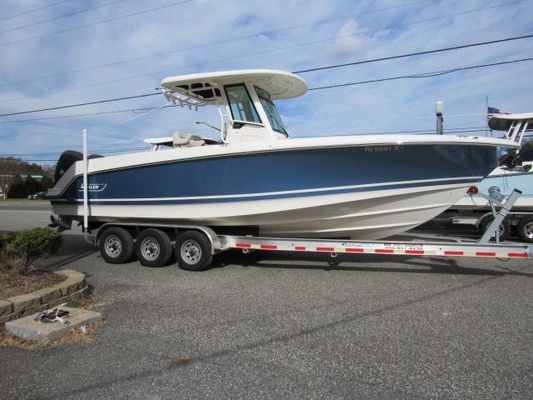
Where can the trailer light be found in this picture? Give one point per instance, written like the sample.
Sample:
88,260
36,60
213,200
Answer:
472,190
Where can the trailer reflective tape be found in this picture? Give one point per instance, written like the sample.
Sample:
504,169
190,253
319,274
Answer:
384,251
518,255
454,253
354,250
419,252
325,249
485,254
486,250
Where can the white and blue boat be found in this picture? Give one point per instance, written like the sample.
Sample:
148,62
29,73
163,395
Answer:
257,178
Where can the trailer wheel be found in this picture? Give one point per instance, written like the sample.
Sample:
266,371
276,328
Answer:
525,229
504,228
193,251
153,248
116,245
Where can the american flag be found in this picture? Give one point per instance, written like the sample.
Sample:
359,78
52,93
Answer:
491,112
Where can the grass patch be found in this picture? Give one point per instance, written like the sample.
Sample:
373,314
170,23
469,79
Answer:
19,252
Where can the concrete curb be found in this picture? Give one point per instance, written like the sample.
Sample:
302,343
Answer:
69,289
29,328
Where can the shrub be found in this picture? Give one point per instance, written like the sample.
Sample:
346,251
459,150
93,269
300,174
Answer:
22,249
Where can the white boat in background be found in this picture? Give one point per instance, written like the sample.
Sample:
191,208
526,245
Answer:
514,172
256,178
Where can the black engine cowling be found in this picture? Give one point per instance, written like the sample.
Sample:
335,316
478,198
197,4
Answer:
66,159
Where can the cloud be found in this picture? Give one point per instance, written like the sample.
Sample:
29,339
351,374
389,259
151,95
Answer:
348,43
289,35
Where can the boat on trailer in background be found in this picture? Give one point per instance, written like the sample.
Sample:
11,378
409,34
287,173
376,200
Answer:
515,171
256,179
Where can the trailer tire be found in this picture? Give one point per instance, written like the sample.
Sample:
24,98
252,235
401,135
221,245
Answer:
116,245
505,227
525,229
193,251
153,248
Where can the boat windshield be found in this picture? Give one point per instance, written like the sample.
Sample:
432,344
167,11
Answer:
271,111
242,108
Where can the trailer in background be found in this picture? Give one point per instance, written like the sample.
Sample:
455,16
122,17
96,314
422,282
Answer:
482,209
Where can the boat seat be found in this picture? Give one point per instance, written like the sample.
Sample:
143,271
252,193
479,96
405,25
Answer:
183,139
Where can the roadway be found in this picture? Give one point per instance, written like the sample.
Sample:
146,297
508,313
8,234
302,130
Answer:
273,325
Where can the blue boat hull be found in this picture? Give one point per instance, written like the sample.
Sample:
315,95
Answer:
352,191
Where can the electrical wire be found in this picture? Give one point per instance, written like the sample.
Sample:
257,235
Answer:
430,74
62,16
34,9
97,22
218,42
263,51
419,53
88,114
81,104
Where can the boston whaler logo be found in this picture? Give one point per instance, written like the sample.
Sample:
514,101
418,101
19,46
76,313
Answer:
94,187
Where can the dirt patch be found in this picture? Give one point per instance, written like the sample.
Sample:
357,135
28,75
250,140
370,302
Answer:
84,300
12,283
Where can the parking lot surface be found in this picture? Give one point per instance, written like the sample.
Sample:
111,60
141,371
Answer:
274,325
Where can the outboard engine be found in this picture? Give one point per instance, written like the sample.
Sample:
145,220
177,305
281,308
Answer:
66,159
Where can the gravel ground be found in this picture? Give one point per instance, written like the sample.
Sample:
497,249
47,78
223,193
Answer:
273,325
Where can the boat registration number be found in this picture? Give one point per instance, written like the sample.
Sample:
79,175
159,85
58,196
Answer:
382,149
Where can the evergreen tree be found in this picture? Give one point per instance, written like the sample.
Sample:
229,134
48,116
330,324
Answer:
16,189
47,182
32,186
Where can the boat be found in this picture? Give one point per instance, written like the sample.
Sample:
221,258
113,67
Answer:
256,178
515,171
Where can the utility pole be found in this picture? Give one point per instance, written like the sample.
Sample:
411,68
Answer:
439,111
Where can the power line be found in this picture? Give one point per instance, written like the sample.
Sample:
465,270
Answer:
430,74
464,46
134,110
34,9
62,16
328,67
119,62
80,104
97,22
255,53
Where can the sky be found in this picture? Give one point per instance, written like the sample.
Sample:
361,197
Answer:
56,53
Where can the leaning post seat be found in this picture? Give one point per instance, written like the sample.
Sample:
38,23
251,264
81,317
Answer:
183,139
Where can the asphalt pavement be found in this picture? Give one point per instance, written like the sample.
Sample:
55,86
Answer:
275,325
